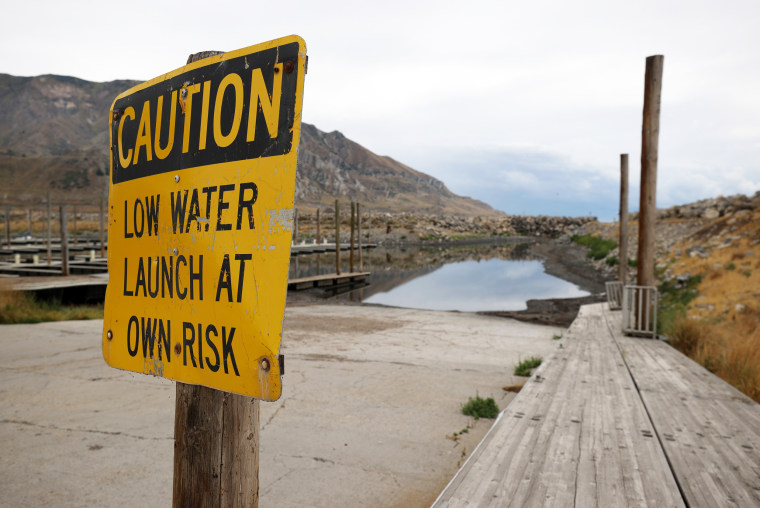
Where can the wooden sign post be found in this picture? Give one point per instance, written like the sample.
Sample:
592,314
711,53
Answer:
216,440
201,209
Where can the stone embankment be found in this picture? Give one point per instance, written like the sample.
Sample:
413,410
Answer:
694,230
712,208
449,227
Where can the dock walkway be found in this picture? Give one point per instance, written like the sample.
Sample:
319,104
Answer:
610,420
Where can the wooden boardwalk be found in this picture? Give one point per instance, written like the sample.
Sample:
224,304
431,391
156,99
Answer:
616,421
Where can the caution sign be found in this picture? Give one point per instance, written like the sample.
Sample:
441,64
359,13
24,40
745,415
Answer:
203,166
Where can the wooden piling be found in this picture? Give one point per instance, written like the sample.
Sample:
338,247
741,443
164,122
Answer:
359,228
295,226
102,228
64,240
49,230
351,242
8,226
649,150
337,237
75,225
216,441
319,235
623,254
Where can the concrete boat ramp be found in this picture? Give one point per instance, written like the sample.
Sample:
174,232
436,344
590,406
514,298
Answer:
369,411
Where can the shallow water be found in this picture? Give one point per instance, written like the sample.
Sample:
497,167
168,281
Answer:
494,284
494,277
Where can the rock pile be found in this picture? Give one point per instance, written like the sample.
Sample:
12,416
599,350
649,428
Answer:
711,208
552,227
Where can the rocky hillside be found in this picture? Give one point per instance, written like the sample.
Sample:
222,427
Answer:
708,267
54,137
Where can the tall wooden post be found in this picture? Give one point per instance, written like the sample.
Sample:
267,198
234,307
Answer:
75,225
216,441
319,235
29,220
623,254
650,134
102,228
64,240
49,230
351,243
8,226
359,228
295,226
337,237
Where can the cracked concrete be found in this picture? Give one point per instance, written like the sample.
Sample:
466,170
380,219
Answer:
369,397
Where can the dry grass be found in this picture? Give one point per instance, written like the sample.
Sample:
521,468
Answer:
19,307
730,349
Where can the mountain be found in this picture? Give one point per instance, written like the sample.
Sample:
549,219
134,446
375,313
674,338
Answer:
54,138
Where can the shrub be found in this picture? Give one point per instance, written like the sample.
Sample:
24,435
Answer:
598,247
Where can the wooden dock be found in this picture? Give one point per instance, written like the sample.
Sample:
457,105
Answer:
326,281
616,421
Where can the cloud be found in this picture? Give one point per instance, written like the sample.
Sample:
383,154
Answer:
528,182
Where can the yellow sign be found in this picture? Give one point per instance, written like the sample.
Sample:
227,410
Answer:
203,166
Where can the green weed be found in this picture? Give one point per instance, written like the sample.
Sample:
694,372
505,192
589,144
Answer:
598,247
525,367
480,408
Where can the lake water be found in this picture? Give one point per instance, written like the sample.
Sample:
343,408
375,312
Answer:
469,286
467,279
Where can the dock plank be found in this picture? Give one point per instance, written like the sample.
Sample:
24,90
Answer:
709,430
576,435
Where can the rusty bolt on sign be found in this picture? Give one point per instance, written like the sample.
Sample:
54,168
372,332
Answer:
177,349
289,66
265,364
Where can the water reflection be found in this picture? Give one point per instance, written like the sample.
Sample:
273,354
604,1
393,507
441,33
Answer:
494,284
491,277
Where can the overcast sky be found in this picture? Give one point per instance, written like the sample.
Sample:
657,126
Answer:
525,105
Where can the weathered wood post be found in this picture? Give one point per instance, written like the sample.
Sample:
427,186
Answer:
337,238
8,226
623,254
101,230
319,235
359,228
75,225
351,243
649,149
319,241
216,441
49,230
64,240
295,226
